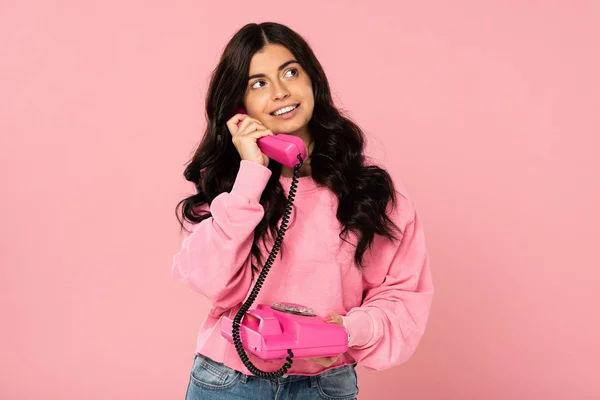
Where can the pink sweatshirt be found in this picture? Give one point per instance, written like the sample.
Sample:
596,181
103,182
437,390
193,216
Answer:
385,307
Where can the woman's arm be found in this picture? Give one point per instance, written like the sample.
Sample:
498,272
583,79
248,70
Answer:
386,329
215,257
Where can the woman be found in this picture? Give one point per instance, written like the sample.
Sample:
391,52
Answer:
354,252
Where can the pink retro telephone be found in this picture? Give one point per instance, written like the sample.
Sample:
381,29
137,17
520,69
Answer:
281,330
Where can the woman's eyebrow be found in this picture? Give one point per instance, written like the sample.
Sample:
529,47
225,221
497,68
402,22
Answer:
282,66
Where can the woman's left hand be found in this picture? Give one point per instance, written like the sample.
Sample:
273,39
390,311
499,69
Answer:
332,318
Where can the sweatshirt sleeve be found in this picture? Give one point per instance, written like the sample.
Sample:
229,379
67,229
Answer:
386,329
214,258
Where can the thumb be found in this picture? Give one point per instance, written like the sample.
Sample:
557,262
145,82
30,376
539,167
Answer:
333,318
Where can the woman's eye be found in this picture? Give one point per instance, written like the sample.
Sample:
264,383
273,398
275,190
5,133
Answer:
256,83
292,69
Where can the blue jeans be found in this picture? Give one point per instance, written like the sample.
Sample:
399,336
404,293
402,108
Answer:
211,380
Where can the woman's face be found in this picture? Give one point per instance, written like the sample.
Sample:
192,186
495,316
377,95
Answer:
277,82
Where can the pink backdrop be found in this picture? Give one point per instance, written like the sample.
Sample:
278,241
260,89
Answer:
488,113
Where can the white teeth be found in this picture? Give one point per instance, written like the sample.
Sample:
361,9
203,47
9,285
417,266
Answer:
284,110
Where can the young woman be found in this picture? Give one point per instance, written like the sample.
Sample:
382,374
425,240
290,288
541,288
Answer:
354,251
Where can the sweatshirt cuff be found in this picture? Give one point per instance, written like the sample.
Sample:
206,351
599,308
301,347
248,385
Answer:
359,325
251,180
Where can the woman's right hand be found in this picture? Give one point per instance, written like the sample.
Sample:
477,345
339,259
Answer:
245,135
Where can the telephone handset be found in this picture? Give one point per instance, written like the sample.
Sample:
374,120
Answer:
281,147
281,330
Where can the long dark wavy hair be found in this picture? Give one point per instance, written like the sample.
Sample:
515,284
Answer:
364,191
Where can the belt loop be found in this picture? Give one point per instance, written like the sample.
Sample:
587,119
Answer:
243,377
313,381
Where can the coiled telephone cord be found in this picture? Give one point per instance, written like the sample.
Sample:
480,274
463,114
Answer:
259,282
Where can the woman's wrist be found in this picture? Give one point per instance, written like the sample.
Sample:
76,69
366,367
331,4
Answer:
346,328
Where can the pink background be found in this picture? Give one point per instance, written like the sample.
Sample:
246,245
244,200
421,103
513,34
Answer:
487,112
